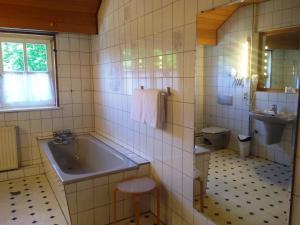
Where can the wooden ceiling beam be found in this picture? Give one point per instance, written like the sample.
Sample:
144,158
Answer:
87,6
26,17
32,24
7,10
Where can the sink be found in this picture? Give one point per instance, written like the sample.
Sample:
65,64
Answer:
274,124
268,117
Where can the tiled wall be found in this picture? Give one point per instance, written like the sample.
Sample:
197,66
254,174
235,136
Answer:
76,98
284,151
276,14
231,53
22,172
151,43
200,90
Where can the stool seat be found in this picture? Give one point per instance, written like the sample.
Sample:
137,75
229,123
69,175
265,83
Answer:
137,185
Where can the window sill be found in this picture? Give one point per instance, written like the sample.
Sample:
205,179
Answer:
29,109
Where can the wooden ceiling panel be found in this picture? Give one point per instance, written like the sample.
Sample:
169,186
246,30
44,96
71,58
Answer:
78,16
208,22
88,6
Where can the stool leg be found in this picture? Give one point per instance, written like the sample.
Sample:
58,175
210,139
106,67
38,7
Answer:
136,203
157,190
115,206
201,196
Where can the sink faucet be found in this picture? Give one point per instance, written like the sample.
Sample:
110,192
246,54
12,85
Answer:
274,109
63,137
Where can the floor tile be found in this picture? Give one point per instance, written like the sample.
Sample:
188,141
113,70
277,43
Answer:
145,219
253,191
27,201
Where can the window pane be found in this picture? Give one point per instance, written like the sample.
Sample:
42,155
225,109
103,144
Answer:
13,57
37,57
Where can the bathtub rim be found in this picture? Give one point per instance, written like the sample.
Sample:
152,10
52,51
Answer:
71,178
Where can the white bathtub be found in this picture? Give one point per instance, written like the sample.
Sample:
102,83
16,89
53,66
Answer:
84,158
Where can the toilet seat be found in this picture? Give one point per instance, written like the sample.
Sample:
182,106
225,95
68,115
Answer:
214,130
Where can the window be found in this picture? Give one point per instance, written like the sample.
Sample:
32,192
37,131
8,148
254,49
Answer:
27,73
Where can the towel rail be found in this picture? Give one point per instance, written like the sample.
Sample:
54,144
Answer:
163,93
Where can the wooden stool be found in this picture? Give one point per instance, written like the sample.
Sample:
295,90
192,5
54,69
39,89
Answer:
197,177
201,194
136,187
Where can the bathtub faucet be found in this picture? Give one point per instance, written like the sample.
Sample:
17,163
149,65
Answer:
63,137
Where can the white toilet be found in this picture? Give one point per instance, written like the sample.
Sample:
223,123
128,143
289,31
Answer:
217,137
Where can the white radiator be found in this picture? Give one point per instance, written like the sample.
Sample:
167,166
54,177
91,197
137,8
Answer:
8,148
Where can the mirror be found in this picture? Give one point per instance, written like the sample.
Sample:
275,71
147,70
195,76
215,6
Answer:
240,177
280,60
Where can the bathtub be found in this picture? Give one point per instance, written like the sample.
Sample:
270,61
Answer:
82,175
84,158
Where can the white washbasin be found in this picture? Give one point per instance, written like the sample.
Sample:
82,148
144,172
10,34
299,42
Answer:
270,117
274,124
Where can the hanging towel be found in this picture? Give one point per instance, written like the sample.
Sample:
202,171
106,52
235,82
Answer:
153,108
137,105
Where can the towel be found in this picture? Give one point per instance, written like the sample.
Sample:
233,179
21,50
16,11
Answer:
153,108
137,105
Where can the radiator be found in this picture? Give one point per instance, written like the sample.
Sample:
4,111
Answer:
8,148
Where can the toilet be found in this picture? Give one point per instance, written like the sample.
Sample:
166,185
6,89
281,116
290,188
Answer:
217,137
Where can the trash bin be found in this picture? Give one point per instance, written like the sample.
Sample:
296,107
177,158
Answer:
244,145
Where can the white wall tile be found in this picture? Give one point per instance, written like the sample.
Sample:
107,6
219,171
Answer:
157,39
167,17
178,13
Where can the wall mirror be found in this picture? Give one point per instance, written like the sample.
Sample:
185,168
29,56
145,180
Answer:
279,60
240,176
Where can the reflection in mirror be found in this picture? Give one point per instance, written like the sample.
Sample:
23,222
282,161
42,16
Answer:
244,138
280,60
